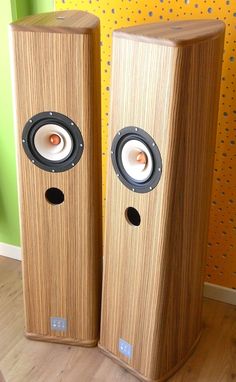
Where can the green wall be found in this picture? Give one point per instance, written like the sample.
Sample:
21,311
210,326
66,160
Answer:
18,8
9,221
37,6
21,8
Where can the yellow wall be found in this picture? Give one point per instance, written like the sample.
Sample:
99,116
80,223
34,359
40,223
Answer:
221,260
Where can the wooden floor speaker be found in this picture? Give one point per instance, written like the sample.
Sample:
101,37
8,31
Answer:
56,66
163,117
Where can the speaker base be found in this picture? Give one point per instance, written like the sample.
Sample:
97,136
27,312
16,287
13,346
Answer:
142,377
61,340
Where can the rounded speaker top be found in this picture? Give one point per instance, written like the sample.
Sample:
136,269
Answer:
61,22
174,33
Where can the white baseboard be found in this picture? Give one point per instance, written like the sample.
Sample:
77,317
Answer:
11,251
220,293
213,291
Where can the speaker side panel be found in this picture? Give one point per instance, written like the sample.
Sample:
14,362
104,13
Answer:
195,120
153,277
62,243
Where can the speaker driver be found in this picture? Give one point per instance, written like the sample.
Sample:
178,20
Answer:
136,159
52,141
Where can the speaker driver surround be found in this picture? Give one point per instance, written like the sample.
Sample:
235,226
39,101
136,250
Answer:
52,141
136,159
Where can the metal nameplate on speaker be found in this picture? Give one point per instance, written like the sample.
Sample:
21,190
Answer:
58,324
136,159
125,348
52,141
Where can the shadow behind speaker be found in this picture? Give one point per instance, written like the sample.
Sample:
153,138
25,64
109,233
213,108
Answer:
56,66
164,106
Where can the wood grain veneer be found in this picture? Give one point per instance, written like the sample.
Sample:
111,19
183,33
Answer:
25,361
61,243
153,274
174,33
60,22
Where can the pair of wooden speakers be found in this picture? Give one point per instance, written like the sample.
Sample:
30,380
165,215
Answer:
164,100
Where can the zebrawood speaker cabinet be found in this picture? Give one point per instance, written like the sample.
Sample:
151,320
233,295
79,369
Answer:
164,106
56,70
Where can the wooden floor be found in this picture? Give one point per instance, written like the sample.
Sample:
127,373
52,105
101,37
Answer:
22,360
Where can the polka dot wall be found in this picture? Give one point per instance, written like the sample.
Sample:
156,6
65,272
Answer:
221,258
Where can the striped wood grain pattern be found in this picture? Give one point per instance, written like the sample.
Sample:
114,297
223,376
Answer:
214,359
61,243
153,276
174,33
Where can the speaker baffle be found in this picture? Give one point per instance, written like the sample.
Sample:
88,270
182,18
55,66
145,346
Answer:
52,141
136,159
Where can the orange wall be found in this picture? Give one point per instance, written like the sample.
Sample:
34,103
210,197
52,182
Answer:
221,260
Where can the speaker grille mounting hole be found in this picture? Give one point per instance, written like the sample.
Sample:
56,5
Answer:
54,196
132,216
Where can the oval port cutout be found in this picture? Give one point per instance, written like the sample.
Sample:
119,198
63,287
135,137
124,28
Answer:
132,216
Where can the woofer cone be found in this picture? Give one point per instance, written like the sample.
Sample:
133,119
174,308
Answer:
52,141
136,159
